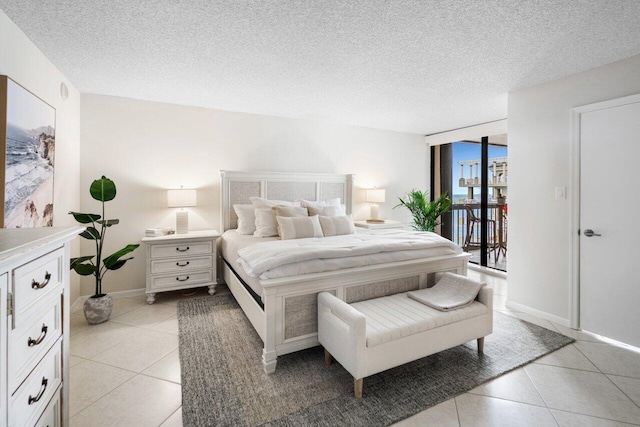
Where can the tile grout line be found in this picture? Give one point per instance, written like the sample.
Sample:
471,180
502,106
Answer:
593,416
171,415
621,390
524,368
455,403
587,357
509,400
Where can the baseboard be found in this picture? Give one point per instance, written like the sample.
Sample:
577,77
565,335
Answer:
541,314
120,294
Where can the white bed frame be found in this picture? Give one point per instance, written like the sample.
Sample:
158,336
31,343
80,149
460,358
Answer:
270,322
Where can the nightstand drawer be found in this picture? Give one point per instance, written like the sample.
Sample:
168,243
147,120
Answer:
31,341
182,249
181,264
179,280
52,414
36,280
28,403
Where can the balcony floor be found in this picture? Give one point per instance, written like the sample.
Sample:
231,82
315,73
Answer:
500,265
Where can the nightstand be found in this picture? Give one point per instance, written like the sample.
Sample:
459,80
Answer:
181,261
389,223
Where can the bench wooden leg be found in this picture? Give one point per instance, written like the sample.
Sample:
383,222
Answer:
328,358
357,387
481,345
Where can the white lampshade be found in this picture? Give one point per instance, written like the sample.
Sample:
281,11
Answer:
181,198
375,195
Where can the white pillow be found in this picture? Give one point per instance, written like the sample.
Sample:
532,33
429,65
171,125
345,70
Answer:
326,211
259,202
266,225
337,225
299,227
320,204
246,219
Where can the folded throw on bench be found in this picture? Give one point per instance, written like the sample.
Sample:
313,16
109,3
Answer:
451,292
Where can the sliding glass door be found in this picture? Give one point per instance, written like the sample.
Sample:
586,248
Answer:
475,175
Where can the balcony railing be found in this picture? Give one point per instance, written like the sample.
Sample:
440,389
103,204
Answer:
497,240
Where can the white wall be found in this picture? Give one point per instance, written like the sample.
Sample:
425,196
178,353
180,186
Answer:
539,160
23,62
148,147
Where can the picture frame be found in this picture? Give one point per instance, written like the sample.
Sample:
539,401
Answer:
27,157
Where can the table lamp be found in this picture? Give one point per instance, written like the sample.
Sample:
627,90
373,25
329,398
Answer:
374,196
181,198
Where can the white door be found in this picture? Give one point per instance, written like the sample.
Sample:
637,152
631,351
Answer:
610,207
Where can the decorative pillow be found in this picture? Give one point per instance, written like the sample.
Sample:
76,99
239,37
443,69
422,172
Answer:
259,202
299,227
289,211
337,225
326,211
246,219
320,204
266,225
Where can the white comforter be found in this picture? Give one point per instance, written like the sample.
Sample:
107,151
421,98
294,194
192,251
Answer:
283,258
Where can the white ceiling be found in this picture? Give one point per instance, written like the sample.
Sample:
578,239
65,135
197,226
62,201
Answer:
413,66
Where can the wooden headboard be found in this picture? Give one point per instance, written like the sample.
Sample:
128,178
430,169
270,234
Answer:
238,187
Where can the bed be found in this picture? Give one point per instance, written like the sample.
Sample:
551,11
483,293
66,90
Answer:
283,310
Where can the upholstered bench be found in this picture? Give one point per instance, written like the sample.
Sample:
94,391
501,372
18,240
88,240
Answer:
372,336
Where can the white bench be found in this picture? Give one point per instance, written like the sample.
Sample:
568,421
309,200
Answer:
372,336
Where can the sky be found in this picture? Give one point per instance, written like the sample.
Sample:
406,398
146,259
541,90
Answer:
27,111
469,151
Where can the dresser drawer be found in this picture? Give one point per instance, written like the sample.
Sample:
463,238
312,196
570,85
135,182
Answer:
52,414
180,280
29,402
32,340
36,280
182,249
181,264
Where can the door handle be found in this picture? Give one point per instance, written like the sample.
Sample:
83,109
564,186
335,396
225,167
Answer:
589,233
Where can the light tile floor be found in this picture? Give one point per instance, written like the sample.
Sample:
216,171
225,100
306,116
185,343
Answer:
126,372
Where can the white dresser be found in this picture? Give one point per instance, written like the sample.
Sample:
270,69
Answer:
181,261
34,330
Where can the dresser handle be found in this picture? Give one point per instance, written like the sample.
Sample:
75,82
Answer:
33,342
182,280
182,250
33,400
182,265
38,285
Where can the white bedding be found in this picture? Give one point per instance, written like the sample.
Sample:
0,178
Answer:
283,258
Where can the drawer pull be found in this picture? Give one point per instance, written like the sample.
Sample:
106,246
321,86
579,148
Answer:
33,400
182,265
182,280
38,285
35,342
182,250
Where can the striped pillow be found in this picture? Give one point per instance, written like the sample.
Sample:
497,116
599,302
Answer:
337,225
299,227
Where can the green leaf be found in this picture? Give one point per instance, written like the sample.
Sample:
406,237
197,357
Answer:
84,269
119,264
76,261
112,259
109,222
84,218
103,189
90,233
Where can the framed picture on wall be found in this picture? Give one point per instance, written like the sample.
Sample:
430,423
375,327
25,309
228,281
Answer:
27,157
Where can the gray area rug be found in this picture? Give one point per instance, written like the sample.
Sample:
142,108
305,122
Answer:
223,383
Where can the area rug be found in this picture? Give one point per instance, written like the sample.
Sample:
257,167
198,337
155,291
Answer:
223,383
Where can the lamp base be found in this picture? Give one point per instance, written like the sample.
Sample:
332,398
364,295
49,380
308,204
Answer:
182,222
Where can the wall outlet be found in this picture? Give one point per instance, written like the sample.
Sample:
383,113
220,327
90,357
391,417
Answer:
561,193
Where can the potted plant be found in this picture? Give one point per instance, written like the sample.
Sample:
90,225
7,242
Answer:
425,213
98,307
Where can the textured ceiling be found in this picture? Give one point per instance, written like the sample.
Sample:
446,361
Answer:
413,66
